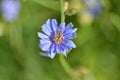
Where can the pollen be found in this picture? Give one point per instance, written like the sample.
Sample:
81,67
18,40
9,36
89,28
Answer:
58,37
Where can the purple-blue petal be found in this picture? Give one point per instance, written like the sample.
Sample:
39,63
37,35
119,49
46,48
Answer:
63,49
54,25
66,47
70,43
10,9
44,54
70,36
45,47
51,55
44,41
52,52
69,29
42,36
61,27
46,29
57,49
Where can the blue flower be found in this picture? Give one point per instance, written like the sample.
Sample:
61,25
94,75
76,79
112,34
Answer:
94,7
56,38
10,9
94,11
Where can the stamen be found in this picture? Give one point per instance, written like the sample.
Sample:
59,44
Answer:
59,37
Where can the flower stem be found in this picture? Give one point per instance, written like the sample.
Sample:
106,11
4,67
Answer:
62,10
65,65
63,62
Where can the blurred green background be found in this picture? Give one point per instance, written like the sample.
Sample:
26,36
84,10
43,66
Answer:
96,57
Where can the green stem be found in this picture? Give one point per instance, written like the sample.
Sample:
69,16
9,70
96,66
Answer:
62,10
65,65
63,62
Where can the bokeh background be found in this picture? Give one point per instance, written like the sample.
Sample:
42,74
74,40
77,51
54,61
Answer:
96,57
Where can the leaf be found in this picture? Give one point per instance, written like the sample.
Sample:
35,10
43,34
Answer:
51,4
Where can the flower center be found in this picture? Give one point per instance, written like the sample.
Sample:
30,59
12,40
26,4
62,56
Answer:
59,37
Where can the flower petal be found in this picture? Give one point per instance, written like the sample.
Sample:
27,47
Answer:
42,36
62,27
51,55
67,48
10,9
44,54
46,29
69,30
69,26
52,52
45,47
63,50
70,36
70,44
58,49
54,25
44,41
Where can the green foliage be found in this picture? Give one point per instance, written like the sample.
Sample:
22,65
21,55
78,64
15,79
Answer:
52,4
97,56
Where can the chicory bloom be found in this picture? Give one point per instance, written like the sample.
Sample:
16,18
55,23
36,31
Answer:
56,38
10,9
94,7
